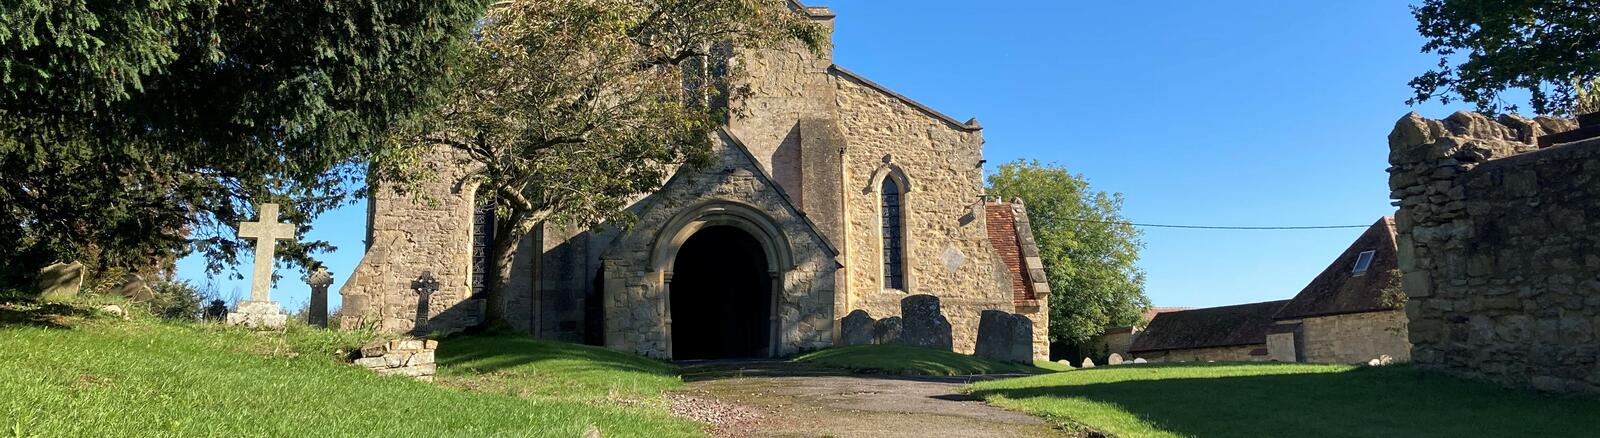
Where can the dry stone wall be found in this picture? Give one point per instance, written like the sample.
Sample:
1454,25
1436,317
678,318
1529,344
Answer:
1500,249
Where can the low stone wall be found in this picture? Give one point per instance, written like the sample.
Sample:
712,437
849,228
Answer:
1500,249
1236,353
399,357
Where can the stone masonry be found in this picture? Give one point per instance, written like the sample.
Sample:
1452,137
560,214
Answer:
1499,245
399,357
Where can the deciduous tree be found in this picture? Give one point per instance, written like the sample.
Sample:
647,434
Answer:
1549,48
1089,250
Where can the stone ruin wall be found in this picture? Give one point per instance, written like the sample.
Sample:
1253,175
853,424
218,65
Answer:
427,228
947,246
1500,249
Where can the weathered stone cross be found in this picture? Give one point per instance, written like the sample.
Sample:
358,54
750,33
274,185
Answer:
266,231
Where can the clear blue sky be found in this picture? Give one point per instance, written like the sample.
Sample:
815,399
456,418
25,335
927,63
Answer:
1207,113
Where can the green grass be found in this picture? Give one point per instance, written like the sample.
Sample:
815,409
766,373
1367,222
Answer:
903,359
1250,400
65,372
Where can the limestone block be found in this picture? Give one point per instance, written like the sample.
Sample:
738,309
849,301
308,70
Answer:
923,324
372,362
60,281
856,328
258,315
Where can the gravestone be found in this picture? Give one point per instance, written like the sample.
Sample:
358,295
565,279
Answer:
1140,360
1087,363
319,281
1004,337
60,281
856,328
260,312
922,323
134,288
1115,359
886,331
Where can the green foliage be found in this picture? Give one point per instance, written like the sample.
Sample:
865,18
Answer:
909,360
1250,400
1089,250
145,377
132,131
176,299
1548,48
569,109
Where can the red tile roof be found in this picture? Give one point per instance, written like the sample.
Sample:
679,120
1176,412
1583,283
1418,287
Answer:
1002,224
1243,324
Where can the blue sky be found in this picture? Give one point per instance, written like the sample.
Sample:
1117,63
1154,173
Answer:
1233,113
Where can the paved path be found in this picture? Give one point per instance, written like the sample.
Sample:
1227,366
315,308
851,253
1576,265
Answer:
777,399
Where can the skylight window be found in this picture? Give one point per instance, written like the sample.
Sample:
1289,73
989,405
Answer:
1364,261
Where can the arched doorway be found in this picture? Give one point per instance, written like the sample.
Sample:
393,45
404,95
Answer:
721,296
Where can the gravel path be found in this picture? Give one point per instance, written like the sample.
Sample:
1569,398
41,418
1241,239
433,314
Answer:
777,399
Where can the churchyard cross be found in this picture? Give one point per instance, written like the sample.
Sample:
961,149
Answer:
319,282
260,311
266,231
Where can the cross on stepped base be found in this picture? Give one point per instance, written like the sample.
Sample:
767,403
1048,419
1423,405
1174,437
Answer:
261,312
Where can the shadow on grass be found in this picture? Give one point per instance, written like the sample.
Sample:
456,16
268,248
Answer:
1389,401
17,313
487,353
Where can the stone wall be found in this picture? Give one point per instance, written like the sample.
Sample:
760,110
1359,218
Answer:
399,357
1236,353
947,247
1500,249
1355,337
425,229
735,191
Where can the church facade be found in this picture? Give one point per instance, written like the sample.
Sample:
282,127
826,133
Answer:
829,194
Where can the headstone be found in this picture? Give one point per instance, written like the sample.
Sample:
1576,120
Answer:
1115,359
134,288
856,328
60,281
1087,363
887,331
260,312
319,282
1385,360
1140,360
922,324
1004,337
217,310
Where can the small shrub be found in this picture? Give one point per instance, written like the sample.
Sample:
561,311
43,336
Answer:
176,300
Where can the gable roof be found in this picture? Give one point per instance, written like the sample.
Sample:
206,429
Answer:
970,125
1243,324
1339,290
1002,224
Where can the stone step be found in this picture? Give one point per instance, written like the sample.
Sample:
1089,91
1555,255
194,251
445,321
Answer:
1584,133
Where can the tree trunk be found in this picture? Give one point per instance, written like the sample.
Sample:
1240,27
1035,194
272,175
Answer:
508,234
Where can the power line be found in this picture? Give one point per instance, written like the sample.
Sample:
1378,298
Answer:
1209,227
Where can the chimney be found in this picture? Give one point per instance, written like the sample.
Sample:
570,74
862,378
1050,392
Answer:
1588,127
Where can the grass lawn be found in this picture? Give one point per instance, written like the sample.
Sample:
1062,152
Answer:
66,372
1251,400
903,359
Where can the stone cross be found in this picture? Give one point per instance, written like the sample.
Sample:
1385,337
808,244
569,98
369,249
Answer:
266,232
319,282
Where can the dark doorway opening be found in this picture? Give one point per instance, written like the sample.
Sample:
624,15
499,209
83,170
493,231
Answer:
721,299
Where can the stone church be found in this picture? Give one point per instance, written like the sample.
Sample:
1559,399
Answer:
830,194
